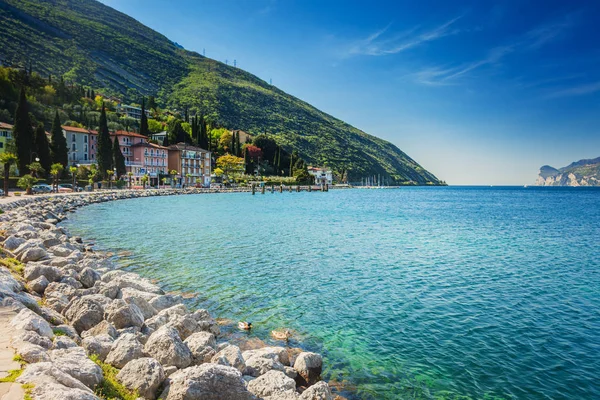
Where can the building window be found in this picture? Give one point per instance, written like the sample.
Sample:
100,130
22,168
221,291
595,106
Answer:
74,146
85,139
73,137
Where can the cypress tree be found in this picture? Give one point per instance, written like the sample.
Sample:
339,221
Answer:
104,146
144,121
42,148
93,94
233,151
238,145
166,140
59,153
23,134
118,158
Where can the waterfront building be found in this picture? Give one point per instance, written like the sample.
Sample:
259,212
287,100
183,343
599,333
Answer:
153,160
191,163
322,175
5,135
78,144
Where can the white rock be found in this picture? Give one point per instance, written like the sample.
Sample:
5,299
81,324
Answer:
318,391
166,346
144,375
75,362
230,356
30,321
125,349
271,384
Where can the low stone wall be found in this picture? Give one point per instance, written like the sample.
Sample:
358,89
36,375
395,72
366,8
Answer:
78,312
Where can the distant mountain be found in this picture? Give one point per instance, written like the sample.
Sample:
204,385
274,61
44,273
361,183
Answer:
92,44
579,173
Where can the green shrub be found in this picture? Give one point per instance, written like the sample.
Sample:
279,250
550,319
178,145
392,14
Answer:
12,376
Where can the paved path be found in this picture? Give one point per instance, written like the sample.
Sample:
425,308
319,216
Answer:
8,391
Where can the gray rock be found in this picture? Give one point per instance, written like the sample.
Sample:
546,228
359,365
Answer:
166,315
230,356
271,384
318,391
63,342
165,301
88,277
123,315
166,346
34,270
33,254
32,353
125,349
141,300
291,372
84,313
34,338
274,352
185,325
102,328
69,331
62,251
145,375
99,345
202,315
71,281
202,345
74,361
12,243
60,262
29,321
134,281
51,383
207,382
309,367
39,284
258,365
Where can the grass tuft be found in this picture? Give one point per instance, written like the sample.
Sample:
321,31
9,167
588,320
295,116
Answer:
19,359
58,332
12,376
28,387
110,388
13,265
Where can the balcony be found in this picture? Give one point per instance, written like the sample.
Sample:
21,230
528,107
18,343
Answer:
133,164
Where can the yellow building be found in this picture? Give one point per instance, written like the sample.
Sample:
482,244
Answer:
5,135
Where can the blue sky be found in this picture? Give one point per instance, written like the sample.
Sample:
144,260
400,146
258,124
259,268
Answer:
478,92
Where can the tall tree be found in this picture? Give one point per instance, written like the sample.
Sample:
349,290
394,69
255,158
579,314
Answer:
7,159
23,134
59,153
42,147
232,148
119,159
238,146
166,140
104,146
144,121
151,103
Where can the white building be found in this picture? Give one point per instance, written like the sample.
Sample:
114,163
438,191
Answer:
78,143
131,111
322,175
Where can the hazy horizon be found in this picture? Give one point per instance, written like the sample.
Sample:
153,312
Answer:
478,94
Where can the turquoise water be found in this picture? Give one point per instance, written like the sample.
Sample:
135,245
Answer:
413,293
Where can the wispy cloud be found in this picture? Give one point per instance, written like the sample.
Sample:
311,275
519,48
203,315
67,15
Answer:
382,42
577,90
530,41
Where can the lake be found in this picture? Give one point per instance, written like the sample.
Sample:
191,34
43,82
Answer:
410,293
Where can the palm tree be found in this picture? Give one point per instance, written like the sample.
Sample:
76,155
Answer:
73,171
36,169
7,159
144,180
173,174
26,182
56,170
110,173
130,174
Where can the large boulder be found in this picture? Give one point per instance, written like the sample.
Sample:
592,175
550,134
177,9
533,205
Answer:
33,254
35,338
75,362
63,342
318,391
258,365
39,284
31,353
131,280
122,315
230,356
99,345
144,375
202,345
185,325
125,349
103,328
275,352
166,346
33,271
165,301
29,321
88,277
141,300
84,312
271,384
309,366
51,383
165,316
207,382
13,242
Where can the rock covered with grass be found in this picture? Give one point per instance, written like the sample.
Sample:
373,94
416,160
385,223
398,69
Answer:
89,330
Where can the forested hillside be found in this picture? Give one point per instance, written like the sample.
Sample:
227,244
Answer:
96,46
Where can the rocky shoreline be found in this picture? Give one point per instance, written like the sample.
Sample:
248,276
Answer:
79,316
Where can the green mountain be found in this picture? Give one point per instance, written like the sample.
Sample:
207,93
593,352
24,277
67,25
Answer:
94,45
579,173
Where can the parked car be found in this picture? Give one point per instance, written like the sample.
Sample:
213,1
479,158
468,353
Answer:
1,192
41,188
67,187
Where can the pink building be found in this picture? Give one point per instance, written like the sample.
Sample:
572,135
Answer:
126,141
153,161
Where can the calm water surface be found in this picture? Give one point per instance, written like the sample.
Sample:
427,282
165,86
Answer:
415,293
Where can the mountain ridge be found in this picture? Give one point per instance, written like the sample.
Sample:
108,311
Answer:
584,172
92,44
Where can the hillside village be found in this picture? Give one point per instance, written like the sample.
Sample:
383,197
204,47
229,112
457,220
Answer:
156,147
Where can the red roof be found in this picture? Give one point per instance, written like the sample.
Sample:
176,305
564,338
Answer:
131,134
75,129
4,125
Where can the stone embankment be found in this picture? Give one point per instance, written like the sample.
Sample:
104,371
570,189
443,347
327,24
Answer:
78,316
